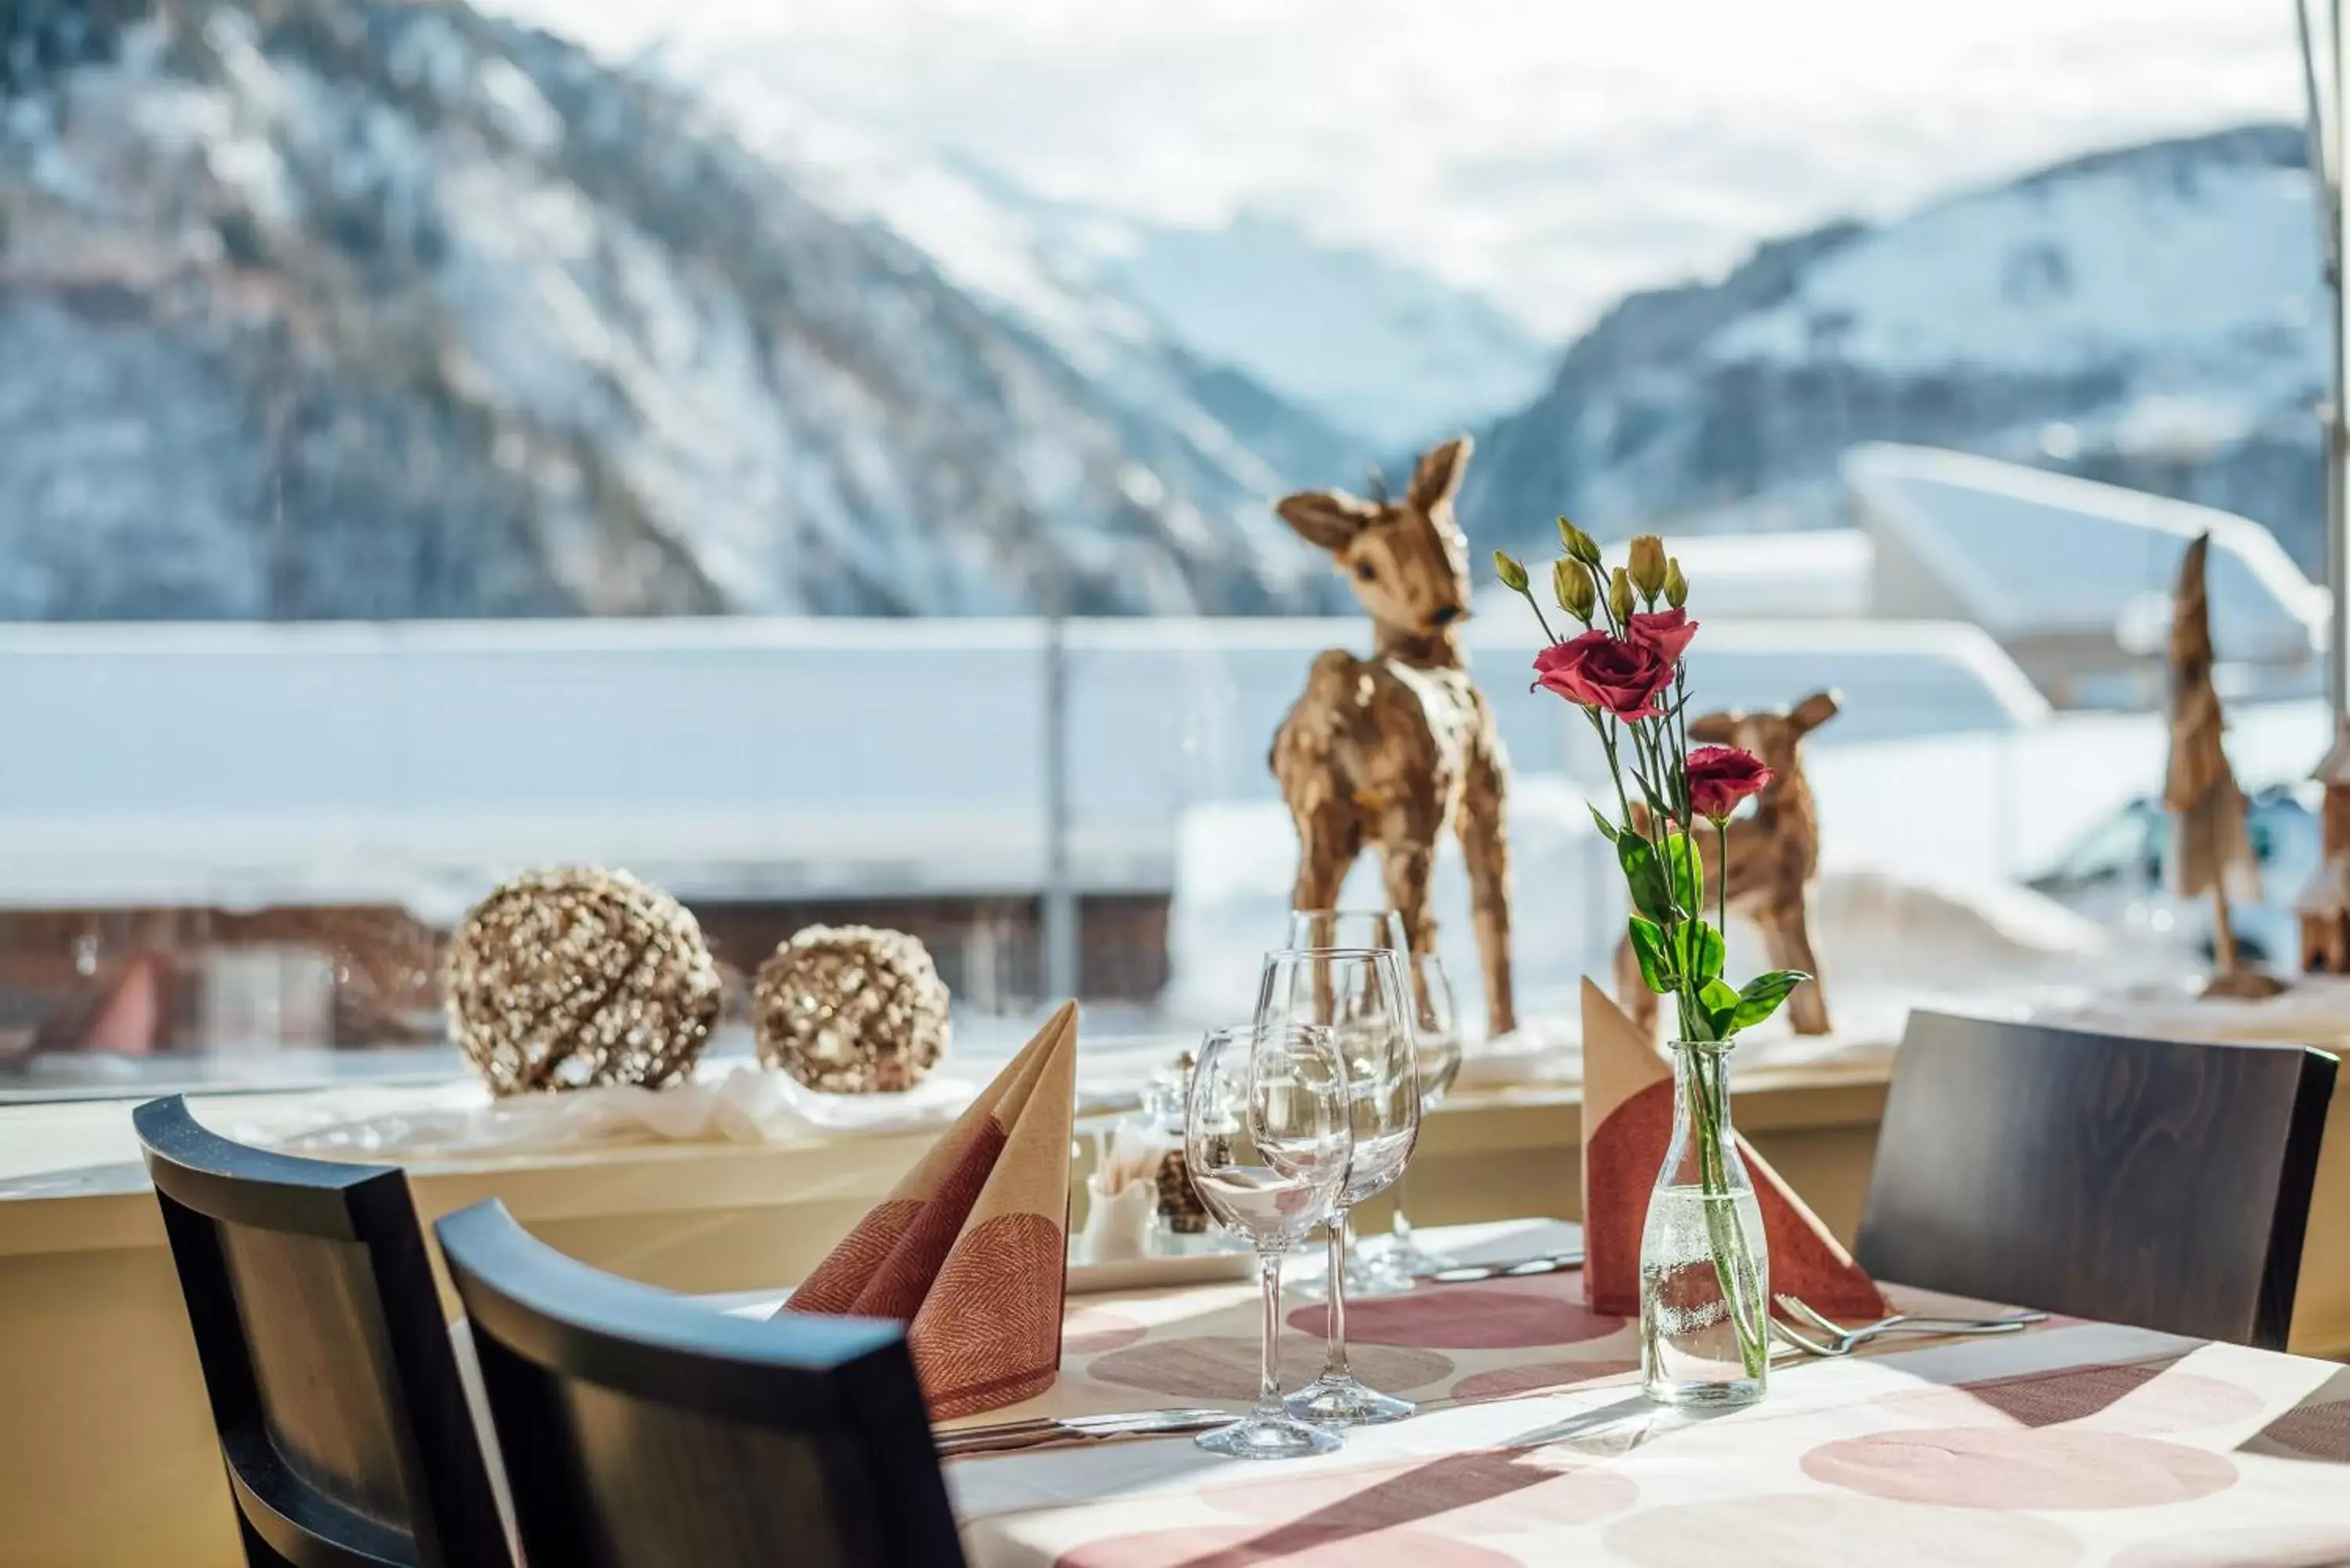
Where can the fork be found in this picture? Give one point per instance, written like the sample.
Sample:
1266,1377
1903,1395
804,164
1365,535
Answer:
1842,1341
1037,1431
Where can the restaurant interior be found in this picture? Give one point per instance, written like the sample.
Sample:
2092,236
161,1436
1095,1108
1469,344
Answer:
896,785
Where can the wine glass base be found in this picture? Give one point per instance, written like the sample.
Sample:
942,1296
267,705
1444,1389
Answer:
1410,1261
1365,1277
1269,1437
1343,1402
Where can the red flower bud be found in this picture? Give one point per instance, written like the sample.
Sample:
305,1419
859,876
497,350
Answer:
1667,632
1721,776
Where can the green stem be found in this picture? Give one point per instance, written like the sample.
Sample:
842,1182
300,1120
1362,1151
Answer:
1733,1265
1599,586
1722,881
1540,619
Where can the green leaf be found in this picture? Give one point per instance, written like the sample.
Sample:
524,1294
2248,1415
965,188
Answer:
1607,829
1701,952
1648,946
1720,1005
1762,995
1645,877
1688,873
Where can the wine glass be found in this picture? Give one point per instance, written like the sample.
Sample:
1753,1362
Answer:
1348,929
1357,994
1366,1275
1267,1141
1438,1034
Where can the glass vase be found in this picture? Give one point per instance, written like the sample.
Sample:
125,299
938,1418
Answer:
1705,1268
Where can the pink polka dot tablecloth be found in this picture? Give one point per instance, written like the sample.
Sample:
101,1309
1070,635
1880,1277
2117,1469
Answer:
2078,1443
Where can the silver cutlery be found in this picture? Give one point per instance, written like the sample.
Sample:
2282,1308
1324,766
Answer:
1842,1341
1524,1268
1794,1340
1006,1437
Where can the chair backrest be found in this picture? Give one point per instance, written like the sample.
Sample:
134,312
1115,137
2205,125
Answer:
643,1430
2155,1182
333,1381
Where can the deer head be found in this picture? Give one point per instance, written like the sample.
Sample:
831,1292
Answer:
1774,737
1407,560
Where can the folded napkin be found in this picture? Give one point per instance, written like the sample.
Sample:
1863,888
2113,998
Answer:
1627,1120
971,1251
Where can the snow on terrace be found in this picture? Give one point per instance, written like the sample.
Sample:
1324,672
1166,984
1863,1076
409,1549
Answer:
240,764
2029,554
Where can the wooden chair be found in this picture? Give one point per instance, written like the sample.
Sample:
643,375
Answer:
2153,1182
334,1385
645,1430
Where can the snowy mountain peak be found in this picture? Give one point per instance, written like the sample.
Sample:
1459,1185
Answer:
2149,317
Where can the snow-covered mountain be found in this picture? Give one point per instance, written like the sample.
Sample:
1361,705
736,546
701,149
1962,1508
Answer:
382,307
1371,346
1356,356
2153,316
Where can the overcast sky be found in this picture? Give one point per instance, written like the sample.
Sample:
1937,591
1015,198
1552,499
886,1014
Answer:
1550,154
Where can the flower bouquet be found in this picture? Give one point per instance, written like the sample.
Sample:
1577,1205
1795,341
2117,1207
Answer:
1625,668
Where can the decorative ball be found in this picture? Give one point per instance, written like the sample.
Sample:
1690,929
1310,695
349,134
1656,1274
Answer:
566,978
851,1010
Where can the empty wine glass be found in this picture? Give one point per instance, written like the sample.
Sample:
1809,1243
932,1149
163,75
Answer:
1437,1037
1267,1140
1357,994
1347,928
1366,1274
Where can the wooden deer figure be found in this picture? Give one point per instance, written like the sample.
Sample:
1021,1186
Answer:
1390,751
1774,854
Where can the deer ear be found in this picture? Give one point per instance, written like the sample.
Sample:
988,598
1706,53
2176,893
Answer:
1714,729
1438,477
1813,711
1326,519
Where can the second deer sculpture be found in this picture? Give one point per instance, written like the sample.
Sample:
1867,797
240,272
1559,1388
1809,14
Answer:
1391,752
1774,857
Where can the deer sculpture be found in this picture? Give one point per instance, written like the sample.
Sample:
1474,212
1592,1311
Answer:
1774,856
1391,752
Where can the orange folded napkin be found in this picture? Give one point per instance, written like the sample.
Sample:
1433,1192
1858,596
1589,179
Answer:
1627,1120
971,1251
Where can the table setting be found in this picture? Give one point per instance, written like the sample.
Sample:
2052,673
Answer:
1512,1406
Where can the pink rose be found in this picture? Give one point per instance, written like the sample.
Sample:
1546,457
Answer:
1667,632
1615,675
1721,776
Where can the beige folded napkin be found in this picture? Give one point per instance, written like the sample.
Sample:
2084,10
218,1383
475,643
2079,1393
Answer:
1627,1120
971,1251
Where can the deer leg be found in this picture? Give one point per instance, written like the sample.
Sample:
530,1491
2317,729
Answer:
1409,869
1787,938
1486,843
1328,842
1327,846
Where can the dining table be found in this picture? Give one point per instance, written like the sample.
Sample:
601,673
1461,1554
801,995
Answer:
2065,1442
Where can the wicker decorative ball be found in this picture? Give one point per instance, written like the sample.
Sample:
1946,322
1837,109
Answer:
567,977
851,1010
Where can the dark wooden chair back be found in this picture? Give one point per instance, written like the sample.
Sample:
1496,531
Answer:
333,1383
2155,1182
644,1430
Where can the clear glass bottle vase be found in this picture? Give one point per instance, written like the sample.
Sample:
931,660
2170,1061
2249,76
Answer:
1705,1268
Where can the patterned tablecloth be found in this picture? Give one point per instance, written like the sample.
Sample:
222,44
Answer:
2078,1443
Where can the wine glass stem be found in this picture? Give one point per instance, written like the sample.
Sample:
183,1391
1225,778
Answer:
1268,1369
1400,1228
1333,1364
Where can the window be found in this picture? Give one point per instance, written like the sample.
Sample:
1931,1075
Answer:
823,459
